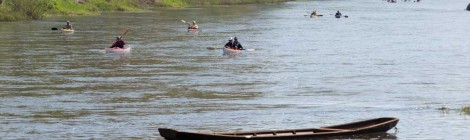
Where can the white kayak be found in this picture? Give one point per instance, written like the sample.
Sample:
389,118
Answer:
231,51
125,49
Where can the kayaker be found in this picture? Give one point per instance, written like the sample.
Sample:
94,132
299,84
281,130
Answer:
314,13
68,26
338,14
229,44
119,43
236,44
193,26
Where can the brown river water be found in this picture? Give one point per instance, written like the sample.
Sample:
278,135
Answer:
406,60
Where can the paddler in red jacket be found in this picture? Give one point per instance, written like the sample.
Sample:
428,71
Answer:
68,26
193,26
119,43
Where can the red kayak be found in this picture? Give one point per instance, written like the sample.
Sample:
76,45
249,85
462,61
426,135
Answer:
230,51
126,49
193,30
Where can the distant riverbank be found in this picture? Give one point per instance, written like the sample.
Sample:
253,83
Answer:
20,10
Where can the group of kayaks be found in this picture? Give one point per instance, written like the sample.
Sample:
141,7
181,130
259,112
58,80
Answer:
337,15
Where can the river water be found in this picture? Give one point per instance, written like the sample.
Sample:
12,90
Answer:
406,60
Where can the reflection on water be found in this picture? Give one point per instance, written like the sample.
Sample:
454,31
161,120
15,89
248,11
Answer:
385,60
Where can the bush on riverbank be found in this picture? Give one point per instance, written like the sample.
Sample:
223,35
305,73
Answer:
16,10
185,3
466,110
87,7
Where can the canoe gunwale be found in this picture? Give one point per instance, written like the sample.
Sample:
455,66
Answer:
370,126
388,121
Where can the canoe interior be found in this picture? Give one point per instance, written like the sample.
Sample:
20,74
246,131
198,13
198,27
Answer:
280,132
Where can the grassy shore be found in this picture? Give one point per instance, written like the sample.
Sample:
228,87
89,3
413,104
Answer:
18,10
186,3
465,110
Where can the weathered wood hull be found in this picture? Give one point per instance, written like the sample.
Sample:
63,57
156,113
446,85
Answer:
378,125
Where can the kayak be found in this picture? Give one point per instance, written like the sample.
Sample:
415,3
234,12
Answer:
231,51
126,49
315,16
192,30
68,30
468,7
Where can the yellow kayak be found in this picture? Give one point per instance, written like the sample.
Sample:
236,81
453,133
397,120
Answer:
67,30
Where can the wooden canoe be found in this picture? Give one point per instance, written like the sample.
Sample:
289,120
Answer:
371,126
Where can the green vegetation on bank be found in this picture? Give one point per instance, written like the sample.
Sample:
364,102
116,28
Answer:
87,7
18,10
186,3
466,110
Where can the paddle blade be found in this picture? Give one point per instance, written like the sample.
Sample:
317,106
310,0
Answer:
54,29
211,48
183,21
250,50
125,32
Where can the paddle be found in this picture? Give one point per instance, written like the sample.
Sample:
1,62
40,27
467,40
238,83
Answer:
249,50
212,48
54,28
185,22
